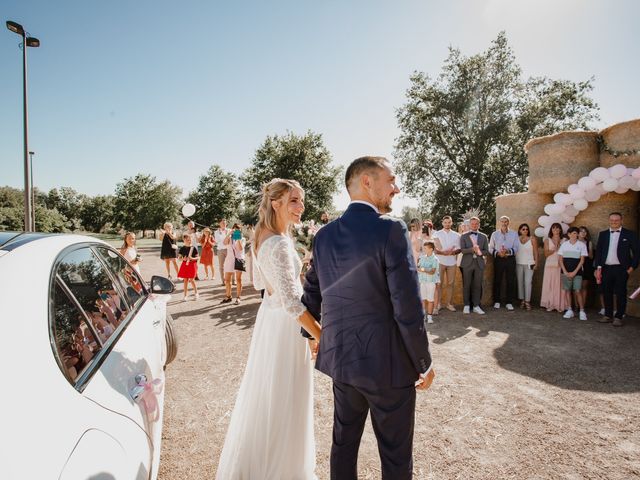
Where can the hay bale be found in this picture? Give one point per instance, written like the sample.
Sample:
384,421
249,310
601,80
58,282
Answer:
522,208
596,216
557,161
621,137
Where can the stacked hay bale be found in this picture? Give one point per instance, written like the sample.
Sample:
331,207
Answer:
621,137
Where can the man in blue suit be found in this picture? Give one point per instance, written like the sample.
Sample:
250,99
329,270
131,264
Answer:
374,345
616,257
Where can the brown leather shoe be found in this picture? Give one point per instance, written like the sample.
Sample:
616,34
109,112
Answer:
604,320
617,322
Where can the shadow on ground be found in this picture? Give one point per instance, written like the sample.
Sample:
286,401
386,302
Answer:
569,354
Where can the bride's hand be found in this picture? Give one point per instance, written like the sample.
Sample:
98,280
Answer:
314,345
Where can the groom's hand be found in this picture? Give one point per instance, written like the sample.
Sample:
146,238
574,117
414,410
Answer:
314,345
426,382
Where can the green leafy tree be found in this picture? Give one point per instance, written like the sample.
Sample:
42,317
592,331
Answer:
463,134
68,202
143,203
302,158
96,213
217,196
48,220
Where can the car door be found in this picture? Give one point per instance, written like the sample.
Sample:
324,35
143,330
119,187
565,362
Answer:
94,441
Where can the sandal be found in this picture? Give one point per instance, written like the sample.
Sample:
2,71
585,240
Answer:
225,300
237,302
527,305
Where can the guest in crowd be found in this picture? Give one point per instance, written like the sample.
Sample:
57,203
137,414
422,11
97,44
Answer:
427,236
474,247
324,219
128,250
206,257
429,277
195,240
219,237
616,257
169,250
526,264
447,248
415,237
235,250
552,297
571,255
189,255
504,246
587,269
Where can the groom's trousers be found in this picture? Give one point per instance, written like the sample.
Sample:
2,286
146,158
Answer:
392,417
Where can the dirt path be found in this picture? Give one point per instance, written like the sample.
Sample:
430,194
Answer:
523,395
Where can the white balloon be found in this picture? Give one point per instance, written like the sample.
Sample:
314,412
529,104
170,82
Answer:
636,187
627,182
599,189
581,204
630,171
571,210
621,189
567,218
548,208
540,231
565,227
586,183
557,209
610,184
617,171
636,173
543,220
592,195
188,209
562,198
554,219
575,191
599,174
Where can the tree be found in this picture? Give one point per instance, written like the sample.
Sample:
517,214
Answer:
68,202
217,196
302,158
96,213
48,220
141,203
463,134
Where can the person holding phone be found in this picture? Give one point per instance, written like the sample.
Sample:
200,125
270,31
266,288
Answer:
526,264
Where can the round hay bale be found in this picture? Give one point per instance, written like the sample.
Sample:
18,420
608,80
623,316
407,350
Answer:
621,137
522,208
557,161
596,216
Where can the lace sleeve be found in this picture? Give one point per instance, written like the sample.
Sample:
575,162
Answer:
285,277
258,281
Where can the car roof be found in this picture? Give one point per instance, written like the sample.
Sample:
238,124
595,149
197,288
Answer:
12,240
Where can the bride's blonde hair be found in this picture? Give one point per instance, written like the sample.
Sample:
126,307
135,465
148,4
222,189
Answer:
271,191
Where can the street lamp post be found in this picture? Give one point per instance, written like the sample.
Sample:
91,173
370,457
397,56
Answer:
26,42
33,194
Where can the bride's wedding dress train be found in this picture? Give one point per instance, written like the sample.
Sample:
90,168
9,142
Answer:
270,434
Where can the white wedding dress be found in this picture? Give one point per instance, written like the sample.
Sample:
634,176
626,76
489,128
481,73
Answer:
270,434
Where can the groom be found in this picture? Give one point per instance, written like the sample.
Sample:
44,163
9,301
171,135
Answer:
374,345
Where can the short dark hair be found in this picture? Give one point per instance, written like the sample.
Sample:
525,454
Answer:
615,213
429,243
362,165
573,229
447,217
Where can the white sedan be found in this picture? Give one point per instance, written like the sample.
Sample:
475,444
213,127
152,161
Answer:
85,343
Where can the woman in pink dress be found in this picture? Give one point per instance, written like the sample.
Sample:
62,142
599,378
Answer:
552,297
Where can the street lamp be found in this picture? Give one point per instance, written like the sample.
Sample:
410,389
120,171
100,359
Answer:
26,42
33,194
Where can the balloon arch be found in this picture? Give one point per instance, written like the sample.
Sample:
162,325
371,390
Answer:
600,181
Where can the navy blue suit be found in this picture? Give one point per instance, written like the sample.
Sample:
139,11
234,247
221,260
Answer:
614,277
374,343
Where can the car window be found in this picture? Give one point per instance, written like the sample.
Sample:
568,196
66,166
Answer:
74,341
129,279
92,287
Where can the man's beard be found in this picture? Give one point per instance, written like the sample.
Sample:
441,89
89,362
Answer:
324,221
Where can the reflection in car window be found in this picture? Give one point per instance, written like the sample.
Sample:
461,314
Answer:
90,284
76,346
128,277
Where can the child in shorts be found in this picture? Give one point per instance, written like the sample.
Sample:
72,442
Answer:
572,255
429,277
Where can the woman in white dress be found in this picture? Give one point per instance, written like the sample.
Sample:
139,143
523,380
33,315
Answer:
270,434
128,250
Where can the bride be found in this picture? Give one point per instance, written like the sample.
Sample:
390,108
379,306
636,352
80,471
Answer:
270,435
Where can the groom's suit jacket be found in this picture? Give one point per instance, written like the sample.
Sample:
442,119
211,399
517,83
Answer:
373,332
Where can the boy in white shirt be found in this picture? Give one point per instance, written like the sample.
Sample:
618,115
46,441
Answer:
572,255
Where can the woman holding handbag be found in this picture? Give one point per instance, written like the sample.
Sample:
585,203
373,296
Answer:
234,263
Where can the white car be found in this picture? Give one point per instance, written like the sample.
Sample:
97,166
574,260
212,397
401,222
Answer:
85,343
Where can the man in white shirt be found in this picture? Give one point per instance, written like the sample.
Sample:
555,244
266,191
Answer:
219,235
447,248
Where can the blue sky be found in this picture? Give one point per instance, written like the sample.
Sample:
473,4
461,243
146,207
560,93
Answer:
171,87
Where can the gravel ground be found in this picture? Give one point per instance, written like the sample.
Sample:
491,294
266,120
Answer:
522,395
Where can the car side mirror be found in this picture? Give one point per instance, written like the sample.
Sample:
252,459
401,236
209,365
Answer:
162,285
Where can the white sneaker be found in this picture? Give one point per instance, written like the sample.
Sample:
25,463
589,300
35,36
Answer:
451,308
466,309
478,310
583,316
196,296
568,314
509,306
496,305
601,312
429,319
